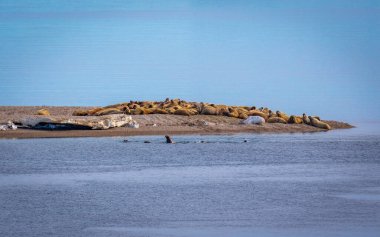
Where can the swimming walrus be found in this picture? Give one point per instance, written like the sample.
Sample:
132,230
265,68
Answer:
169,139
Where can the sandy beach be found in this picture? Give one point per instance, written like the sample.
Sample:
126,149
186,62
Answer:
155,124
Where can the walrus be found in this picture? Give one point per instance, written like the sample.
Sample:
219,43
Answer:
282,115
276,120
174,102
159,111
93,111
193,111
319,124
147,111
170,110
233,113
209,110
305,119
169,139
137,111
166,105
258,113
108,111
295,120
133,106
265,110
242,110
125,110
184,112
222,109
271,114
243,115
80,113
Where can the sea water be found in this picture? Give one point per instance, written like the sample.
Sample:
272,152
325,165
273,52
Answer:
312,184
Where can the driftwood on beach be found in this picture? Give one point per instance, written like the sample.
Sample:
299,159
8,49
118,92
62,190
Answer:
95,123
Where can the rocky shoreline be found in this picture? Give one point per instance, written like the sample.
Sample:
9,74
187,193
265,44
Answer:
149,124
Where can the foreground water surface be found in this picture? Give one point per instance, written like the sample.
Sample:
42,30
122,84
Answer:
322,184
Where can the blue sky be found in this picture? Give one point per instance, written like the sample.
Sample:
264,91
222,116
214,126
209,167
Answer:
318,57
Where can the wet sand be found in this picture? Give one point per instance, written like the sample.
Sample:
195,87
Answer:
155,124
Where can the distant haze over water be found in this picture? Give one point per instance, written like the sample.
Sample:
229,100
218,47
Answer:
319,57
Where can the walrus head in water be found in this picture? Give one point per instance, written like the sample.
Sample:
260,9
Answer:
168,139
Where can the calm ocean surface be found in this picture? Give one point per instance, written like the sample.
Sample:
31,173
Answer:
323,184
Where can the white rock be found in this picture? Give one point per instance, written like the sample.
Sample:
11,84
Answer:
133,124
254,120
33,121
3,127
11,125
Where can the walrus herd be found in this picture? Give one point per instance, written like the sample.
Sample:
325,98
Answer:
184,108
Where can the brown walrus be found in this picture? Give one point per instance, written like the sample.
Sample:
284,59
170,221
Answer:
137,111
209,110
184,112
108,111
170,110
125,110
243,115
93,111
295,120
233,113
282,115
305,119
159,111
319,124
146,110
276,120
80,113
258,113
271,114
